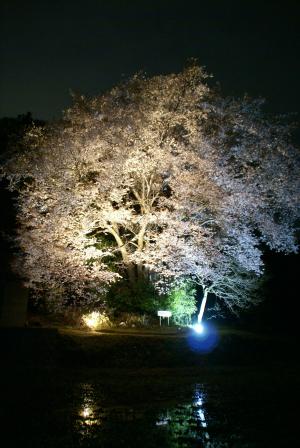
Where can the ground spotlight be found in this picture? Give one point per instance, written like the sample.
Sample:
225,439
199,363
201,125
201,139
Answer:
203,338
198,328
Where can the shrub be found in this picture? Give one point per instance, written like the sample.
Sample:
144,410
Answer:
181,301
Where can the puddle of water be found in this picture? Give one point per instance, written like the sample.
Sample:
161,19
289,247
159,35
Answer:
183,425
240,410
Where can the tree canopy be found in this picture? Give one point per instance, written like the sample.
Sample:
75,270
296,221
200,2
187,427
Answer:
160,177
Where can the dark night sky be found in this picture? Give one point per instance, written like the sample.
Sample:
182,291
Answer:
48,47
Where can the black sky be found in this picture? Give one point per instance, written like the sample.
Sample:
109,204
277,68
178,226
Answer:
49,47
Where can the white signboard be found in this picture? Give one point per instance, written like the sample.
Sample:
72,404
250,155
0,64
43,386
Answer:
163,314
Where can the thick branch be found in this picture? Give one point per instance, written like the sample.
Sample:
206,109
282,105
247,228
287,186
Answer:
113,230
141,234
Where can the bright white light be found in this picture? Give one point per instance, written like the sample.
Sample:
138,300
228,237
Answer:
92,319
95,320
198,328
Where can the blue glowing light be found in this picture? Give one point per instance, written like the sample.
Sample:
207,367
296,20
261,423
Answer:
198,328
203,338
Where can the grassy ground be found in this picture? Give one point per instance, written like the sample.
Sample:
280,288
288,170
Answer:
135,349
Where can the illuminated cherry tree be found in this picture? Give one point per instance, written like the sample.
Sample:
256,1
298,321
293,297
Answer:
160,178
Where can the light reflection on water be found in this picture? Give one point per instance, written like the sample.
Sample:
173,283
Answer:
187,421
89,414
185,424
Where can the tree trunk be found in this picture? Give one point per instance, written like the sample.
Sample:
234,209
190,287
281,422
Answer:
131,272
202,307
136,272
142,273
